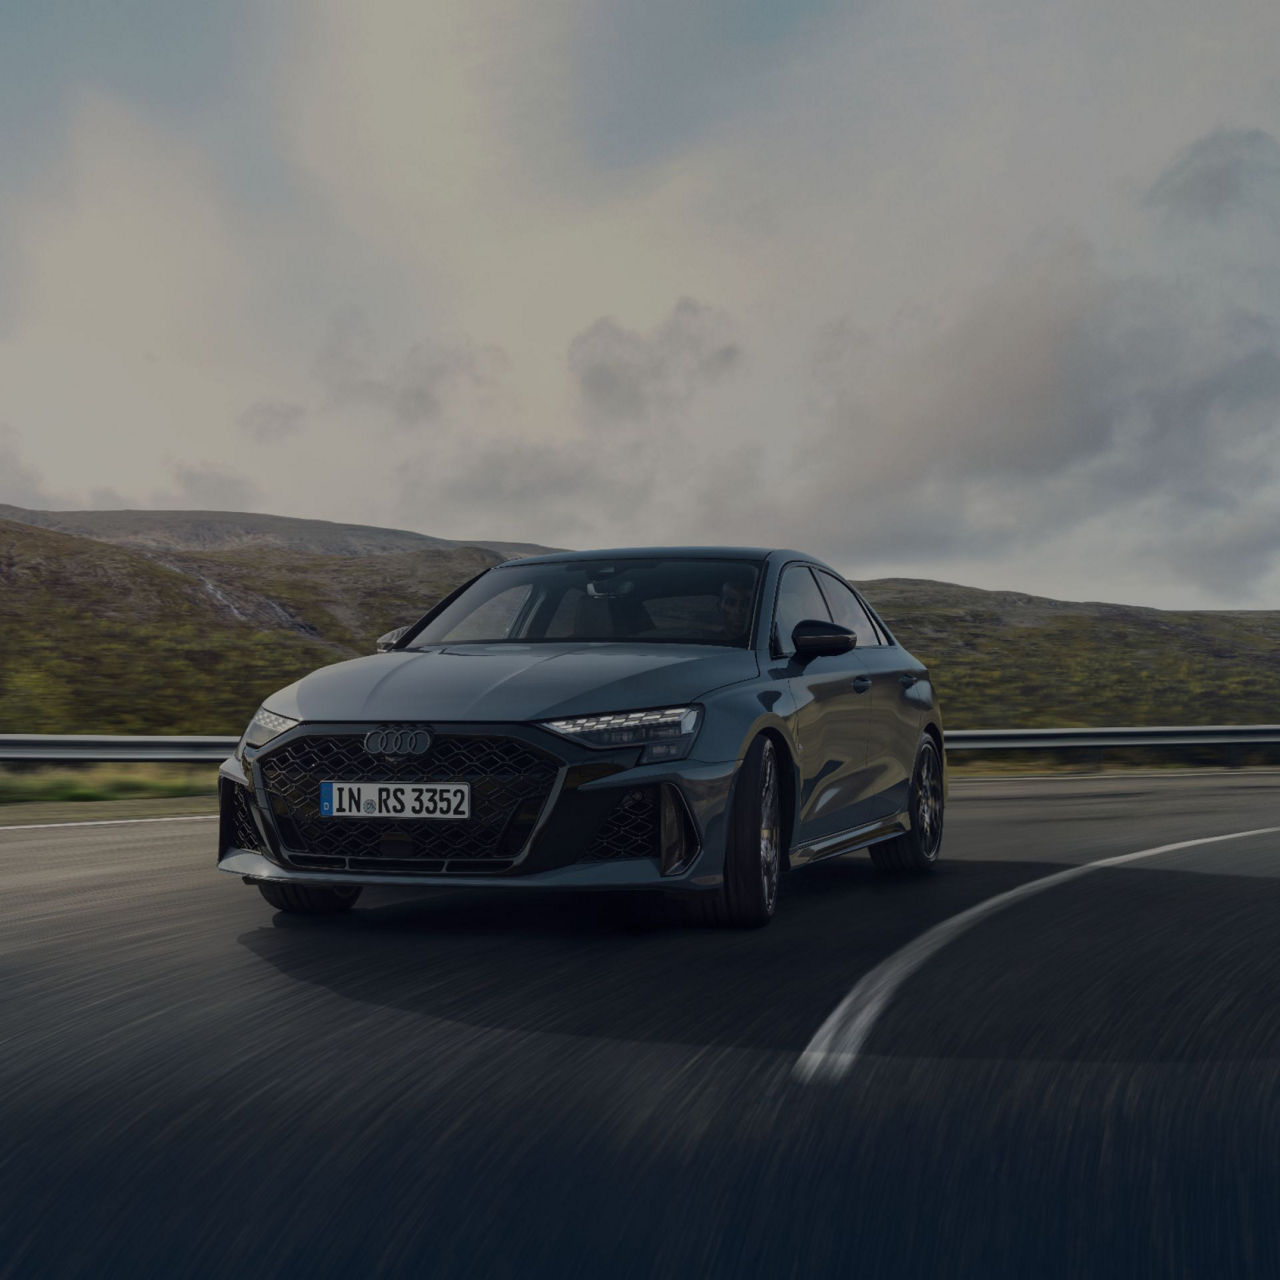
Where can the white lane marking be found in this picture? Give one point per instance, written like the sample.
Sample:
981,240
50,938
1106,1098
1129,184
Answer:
112,822
835,1048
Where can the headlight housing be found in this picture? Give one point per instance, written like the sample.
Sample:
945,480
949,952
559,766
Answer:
264,726
665,734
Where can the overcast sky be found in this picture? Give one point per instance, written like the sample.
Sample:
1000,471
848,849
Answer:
986,291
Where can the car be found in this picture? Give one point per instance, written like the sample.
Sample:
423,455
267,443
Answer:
693,721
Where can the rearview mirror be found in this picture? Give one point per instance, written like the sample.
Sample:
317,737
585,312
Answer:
388,641
813,638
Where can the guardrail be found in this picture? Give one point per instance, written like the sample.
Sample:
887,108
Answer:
88,748
1210,735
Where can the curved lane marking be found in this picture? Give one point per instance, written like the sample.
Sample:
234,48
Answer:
112,822
833,1051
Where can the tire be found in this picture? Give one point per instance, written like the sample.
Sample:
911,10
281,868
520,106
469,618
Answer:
309,899
753,855
917,850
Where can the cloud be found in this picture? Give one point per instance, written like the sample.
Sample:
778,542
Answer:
272,421
207,486
495,488
20,485
623,375
413,389
1225,172
987,300
1139,388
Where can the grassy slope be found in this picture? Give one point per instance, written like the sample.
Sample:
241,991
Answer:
102,638
1001,659
99,638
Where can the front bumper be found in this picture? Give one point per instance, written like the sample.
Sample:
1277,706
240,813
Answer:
602,821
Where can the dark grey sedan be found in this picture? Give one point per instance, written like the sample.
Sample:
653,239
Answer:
687,720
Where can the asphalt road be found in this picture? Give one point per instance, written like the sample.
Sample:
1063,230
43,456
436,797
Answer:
1086,1083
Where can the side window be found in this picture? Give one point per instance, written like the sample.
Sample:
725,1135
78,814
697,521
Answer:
846,610
798,599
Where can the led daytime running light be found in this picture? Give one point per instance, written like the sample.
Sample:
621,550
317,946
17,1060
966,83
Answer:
665,734
272,723
680,719
264,726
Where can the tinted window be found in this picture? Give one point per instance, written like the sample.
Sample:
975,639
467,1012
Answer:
847,611
798,599
658,601
495,617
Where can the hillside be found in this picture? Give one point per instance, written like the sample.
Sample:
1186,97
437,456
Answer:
1003,659
108,639
100,637
205,531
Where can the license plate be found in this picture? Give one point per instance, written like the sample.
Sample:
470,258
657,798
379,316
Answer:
395,800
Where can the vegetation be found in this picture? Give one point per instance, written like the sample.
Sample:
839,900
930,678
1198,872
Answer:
106,782
1005,660
97,637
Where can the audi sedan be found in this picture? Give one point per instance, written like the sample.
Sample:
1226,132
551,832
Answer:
693,721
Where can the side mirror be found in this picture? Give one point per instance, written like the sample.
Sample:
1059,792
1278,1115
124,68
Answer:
815,639
388,641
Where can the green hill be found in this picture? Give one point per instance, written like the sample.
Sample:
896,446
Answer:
96,638
1005,660
149,638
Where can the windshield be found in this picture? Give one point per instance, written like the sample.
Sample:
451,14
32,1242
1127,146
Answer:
659,601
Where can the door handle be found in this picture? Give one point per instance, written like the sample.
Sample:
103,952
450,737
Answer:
906,681
861,684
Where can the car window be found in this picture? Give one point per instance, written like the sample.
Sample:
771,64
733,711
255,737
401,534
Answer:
798,599
659,600
494,618
847,610
564,619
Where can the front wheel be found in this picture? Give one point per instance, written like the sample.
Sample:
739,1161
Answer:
753,855
309,899
917,849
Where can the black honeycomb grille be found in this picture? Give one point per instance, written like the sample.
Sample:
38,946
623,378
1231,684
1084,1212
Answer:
244,831
630,831
510,783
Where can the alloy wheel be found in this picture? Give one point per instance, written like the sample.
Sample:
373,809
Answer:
770,811
928,814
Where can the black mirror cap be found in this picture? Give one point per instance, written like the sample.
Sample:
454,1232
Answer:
813,638
387,642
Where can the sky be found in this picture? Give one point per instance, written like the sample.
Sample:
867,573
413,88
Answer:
986,292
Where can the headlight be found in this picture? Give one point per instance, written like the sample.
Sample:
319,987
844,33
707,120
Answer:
264,726
666,734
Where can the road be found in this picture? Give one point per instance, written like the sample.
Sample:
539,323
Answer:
1085,1083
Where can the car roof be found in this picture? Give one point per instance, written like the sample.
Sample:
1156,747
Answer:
665,553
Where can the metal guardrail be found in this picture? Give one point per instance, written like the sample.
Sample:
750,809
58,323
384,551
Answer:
88,748
1210,735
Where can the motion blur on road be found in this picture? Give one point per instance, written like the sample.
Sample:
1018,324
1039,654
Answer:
1085,1083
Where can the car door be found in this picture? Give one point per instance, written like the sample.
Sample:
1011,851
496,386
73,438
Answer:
895,722
832,696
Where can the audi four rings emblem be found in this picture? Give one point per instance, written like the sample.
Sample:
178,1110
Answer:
397,742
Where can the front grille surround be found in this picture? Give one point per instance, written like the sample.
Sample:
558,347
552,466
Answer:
514,785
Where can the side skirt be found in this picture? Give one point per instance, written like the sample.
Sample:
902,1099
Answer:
848,841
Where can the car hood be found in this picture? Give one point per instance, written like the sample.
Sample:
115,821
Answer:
504,682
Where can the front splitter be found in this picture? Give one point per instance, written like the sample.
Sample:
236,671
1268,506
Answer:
632,873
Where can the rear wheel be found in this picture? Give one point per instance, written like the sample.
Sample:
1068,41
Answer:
917,849
753,855
309,899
